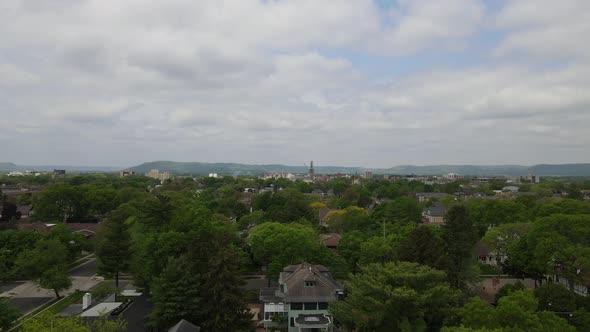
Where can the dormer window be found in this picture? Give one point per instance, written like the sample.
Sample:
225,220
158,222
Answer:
309,283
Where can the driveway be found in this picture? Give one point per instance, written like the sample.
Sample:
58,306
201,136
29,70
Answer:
87,269
27,296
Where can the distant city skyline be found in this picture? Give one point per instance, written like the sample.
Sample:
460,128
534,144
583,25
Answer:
368,83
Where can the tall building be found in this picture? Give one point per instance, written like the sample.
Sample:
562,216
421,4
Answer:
311,169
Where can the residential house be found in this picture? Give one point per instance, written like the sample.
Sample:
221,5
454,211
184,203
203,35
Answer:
301,299
331,240
434,214
423,197
488,256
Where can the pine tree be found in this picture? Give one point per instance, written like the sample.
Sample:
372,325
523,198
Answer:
176,294
459,236
114,246
226,308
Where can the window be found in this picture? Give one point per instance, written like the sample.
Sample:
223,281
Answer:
292,321
309,283
323,305
311,306
267,316
296,306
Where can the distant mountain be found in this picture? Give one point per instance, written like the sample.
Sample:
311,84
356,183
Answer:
10,167
196,168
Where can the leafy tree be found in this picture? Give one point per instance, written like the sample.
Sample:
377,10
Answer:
492,213
8,314
46,263
502,237
252,218
279,245
176,293
559,240
74,242
62,202
422,246
515,312
402,210
288,205
113,247
349,248
47,322
12,244
554,297
378,249
395,297
459,236
507,289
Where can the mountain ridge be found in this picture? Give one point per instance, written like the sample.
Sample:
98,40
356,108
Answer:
203,168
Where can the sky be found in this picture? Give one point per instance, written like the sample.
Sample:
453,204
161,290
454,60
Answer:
373,83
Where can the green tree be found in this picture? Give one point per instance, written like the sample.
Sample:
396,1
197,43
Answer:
349,248
402,210
422,246
46,263
555,297
8,314
278,245
395,297
507,289
226,308
47,322
113,246
515,312
459,236
62,202
176,293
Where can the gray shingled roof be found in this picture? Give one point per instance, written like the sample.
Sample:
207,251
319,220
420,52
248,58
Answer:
437,209
294,277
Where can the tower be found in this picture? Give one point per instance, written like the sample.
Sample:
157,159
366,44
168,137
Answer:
311,170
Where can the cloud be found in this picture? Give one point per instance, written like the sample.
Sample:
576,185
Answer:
546,29
285,81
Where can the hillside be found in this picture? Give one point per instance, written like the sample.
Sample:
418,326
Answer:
196,168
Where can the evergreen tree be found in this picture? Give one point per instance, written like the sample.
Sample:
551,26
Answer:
224,307
114,246
176,294
422,247
459,236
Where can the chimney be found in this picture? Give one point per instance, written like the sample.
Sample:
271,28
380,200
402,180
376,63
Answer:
86,300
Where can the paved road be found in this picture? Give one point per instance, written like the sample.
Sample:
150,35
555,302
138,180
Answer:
28,304
27,296
88,269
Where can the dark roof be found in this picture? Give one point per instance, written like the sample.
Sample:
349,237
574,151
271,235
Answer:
294,277
437,209
331,240
324,213
184,326
482,249
432,195
270,295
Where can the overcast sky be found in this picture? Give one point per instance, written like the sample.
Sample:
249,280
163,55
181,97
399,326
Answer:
372,83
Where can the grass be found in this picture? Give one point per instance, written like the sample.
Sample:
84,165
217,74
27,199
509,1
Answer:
489,269
75,297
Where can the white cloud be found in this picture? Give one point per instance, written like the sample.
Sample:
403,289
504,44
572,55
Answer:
280,81
546,29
